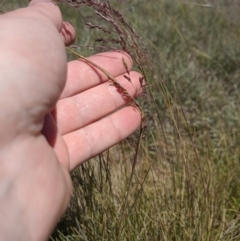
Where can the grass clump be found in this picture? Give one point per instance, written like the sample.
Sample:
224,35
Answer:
182,183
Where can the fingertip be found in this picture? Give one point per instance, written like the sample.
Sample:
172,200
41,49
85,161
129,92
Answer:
47,9
41,1
126,58
120,56
68,32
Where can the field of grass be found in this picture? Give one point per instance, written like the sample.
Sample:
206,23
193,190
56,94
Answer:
184,182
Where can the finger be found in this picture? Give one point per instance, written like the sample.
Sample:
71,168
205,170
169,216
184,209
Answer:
68,33
45,9
101,135
82,76
48,9
91,105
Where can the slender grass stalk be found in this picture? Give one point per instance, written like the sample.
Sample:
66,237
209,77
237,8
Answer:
177,179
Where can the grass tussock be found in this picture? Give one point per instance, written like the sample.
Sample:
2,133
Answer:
178,178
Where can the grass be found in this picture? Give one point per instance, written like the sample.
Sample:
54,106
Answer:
186,181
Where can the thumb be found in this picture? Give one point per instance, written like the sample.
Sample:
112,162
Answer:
48,9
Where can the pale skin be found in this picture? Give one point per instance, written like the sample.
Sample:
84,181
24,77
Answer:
54,116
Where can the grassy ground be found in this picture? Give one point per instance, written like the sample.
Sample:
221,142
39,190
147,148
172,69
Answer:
186,184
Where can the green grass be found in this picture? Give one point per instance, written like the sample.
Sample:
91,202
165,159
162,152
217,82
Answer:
186,184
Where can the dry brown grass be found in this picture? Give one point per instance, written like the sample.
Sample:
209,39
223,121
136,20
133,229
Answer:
185,184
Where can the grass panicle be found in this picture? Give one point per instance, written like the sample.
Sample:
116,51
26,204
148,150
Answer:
178,177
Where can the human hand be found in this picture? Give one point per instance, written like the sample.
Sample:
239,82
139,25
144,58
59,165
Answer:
48,127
